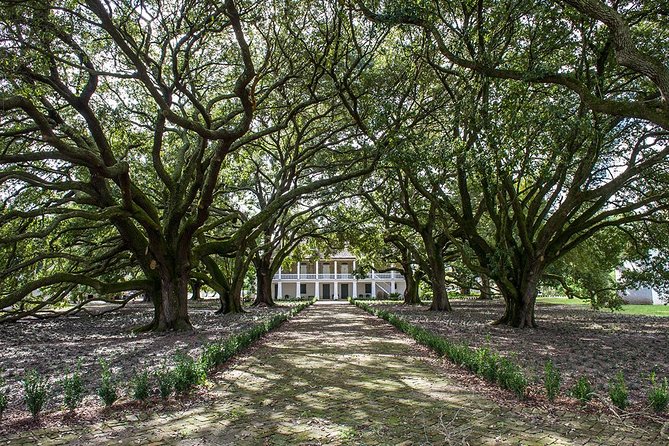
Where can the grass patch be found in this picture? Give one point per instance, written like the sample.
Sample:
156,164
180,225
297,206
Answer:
646,310
641,310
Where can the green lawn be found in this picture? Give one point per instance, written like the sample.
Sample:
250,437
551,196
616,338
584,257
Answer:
645,310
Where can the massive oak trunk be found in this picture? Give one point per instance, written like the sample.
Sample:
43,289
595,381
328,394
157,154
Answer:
263,265
196,288
231,299
486,292
412,280
174,306
520,297
411,296
437,275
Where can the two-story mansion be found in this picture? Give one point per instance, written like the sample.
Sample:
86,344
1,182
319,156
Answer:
333,278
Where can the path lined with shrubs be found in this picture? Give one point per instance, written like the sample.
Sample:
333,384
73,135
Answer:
337,375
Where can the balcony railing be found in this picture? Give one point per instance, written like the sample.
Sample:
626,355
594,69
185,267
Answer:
305,276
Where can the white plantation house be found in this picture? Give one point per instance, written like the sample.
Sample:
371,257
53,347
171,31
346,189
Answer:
333,278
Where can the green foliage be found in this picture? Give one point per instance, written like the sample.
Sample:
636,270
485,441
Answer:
140,386
4,396
108,390
36,392
483,362
552,380
658,395
510,376
73,389
582,390
618,391
187,373
165,380
212,356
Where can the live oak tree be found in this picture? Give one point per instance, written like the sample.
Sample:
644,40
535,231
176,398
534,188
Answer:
397,201
378,244
505,133
523,41
282,178
137,138
526,194
65,109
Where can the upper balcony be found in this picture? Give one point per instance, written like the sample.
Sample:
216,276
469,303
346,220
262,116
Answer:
393,275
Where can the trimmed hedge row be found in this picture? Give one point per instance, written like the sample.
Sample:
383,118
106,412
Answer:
217,353
187,373
482,361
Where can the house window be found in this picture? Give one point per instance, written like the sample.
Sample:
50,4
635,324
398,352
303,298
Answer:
303,288
368,288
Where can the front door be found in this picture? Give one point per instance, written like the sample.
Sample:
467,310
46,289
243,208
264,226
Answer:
344,291
326,291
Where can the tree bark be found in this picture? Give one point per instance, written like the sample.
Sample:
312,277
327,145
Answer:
263,267
196,287
173,311
520,299
486,293
437,275
412,280
411,296
231,298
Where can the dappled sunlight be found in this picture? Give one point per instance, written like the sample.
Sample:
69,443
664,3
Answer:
371,385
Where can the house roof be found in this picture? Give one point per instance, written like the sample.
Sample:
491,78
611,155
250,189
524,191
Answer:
343,254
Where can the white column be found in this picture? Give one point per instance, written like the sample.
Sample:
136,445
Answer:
298,285
393,287
298,272
373,289
354,292
317,294
336,291
316,271
335,275
280,290
279,273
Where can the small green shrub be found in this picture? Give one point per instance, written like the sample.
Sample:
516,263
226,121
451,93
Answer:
165,380
552,380
73,389
482,361
618,391
140,386
186,374
658,395
108,390
582,390
36,392
213,355
4,396
487,364
510,376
